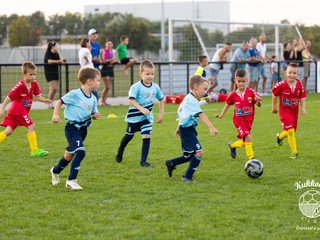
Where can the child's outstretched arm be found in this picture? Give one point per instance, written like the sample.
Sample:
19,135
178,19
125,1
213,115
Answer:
205,119
161,111
224,110
44,100
55,116
303,107
274,104
258,101
138,106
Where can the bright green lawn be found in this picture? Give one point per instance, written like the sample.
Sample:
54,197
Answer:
125,201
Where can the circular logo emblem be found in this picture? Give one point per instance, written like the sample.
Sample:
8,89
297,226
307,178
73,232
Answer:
309,204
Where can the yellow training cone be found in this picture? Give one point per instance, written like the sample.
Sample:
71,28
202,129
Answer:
112,116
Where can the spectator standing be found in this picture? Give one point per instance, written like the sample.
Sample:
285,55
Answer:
108,58
287,54
262,51
52,59
218,59
85,57
238,61
297,55
307,58
253,65
95,52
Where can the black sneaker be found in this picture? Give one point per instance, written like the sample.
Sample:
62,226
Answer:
186,179
119,157
233,151
146,164
170,167
279,141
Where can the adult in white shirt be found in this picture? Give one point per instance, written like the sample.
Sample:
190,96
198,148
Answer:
262,51
218,59
85,57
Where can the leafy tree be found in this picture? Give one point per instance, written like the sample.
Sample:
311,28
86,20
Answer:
19,31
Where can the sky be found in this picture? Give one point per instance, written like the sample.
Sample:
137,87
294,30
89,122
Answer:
251,11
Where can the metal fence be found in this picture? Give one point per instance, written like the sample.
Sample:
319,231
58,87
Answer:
171,76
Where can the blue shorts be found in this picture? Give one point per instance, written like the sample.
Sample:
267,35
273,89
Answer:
189,141
254,74
261,71
144,127
75,137
214,73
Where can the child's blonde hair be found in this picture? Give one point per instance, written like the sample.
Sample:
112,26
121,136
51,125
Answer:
26,66
146,64
196,79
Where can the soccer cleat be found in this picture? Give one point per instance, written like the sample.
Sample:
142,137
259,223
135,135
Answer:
39,153
170,167
186,179
233,151
146,164
119,156
72,184
205,97
55,177
294,155
279,141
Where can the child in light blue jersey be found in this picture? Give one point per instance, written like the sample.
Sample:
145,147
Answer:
139,116
81,107
189,112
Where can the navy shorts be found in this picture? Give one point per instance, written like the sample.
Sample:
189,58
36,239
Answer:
189,141
75,137
144,127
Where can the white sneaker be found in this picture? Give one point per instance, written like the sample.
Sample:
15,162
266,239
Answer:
72,184
55,177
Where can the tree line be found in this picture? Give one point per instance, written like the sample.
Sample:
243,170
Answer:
144,34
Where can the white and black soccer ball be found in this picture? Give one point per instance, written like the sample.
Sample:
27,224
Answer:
253,168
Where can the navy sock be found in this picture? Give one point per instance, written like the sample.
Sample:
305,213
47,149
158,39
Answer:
60,166
180,160
194,163
124,142
145,149
75,165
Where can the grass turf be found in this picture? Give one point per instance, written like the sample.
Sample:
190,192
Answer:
125,201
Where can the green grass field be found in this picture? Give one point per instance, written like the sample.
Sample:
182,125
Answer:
125,201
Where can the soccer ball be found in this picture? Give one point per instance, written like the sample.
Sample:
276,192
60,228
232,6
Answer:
253,168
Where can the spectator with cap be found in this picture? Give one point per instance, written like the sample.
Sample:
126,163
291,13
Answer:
95,51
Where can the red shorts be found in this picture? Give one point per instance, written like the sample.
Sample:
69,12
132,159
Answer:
289,119
243,130
17,120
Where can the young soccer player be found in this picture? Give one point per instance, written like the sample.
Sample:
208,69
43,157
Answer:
18,113
139,116
81,107
244,99
203,62
291,93
189,113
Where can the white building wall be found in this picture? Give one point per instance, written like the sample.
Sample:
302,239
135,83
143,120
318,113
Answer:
213,10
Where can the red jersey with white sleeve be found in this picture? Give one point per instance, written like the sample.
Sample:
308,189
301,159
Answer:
289,102
244,110
21,97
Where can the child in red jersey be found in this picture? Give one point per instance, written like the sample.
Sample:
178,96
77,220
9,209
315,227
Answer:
291,93
18,112
244,99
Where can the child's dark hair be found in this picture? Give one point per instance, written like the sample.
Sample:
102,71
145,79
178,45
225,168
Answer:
196,79
83,42
51,44
202,57
146,64
241,73
27,65
87,73
123,37
273,57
